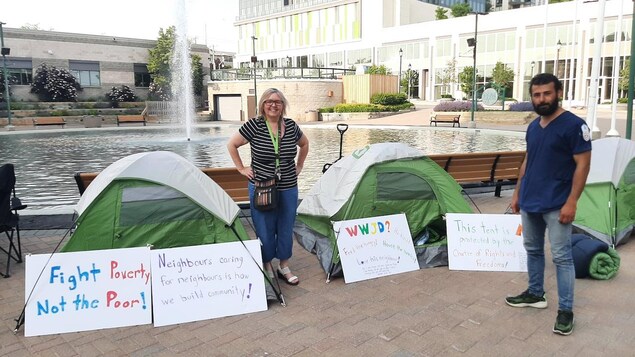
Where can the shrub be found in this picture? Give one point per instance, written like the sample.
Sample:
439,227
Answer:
357,108
59,113
457,106
388,98
619,100
521,107
326,110
118,95
52,84
447,96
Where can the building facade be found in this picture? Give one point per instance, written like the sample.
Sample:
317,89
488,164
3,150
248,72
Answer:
98,62
558,38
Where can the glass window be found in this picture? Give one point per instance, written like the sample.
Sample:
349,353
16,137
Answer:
141,76
20,71
87,73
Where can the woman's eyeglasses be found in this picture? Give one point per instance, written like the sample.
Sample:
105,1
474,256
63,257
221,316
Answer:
270,102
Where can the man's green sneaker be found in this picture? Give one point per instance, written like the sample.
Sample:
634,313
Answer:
564,323
526,299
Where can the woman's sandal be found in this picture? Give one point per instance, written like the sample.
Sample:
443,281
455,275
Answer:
292,280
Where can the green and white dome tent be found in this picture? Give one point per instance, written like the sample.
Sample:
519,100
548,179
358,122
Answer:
379,179
606,208
156,198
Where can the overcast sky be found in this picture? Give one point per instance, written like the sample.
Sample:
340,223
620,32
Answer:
127,18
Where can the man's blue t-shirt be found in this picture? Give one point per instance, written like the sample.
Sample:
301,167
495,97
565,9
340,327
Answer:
549,170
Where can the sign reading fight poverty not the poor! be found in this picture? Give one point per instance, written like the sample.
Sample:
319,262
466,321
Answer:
87,290
485,242
375,247
207,281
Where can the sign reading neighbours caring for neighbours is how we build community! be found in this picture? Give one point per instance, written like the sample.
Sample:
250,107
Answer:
98,289
87,290
485,242
207,281
375,247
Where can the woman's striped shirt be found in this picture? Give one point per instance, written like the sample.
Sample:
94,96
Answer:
263,156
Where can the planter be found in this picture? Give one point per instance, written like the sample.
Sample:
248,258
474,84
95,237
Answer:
92,121
357,115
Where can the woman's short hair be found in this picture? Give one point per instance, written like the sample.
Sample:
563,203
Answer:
268,93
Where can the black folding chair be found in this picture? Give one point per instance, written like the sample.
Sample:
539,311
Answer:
9,218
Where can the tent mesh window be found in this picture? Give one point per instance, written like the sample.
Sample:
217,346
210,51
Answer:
393,186
629,173
156,204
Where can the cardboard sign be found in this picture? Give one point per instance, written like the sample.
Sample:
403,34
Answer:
374,247
485,242
87,290
207,281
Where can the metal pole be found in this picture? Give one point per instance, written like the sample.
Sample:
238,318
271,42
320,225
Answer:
6,79
399,84
631,83
472,123
254,59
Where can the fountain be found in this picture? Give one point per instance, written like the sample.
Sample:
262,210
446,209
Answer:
182,89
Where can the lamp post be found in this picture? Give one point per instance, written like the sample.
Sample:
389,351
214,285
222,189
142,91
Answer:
400,58
556,68
471,42
5,52
409,78
254,59
533,64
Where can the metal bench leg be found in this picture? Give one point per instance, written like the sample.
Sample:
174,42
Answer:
497,192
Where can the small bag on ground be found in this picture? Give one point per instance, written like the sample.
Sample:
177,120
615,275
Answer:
266,194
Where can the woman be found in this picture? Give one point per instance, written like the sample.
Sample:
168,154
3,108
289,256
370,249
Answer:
267,134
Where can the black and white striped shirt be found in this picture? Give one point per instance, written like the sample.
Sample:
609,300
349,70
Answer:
263,156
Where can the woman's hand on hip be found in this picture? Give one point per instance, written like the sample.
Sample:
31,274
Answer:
247,172
298,169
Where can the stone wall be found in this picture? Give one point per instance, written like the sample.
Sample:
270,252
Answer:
500,117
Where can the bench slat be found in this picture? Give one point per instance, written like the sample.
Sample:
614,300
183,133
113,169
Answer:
131,119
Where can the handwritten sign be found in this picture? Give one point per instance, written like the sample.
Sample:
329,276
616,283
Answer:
374,247
485,242
207,281
87,290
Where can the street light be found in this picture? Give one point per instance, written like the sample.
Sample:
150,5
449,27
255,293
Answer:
471,42
555,66
5,52
409,78
254,59
533,64
400,58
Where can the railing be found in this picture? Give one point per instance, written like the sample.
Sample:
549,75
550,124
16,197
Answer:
238,74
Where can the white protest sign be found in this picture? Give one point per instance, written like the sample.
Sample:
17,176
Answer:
485,242
87,290
207,281
374,247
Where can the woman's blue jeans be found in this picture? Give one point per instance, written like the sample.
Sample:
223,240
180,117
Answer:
534,225
275,228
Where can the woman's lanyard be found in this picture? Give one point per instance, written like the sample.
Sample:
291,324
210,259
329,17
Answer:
275,140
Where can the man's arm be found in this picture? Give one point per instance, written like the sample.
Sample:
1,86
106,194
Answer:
521,172
582,167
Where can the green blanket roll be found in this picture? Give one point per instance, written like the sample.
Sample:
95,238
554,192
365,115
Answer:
604,266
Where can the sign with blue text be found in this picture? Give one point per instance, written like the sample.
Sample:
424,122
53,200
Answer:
375,247
207,281
485,242
80,291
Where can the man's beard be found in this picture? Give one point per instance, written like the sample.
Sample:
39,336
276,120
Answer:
546,109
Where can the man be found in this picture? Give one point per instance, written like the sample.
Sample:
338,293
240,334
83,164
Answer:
550,182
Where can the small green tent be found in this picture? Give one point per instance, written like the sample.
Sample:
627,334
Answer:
156,198
379,179
606,208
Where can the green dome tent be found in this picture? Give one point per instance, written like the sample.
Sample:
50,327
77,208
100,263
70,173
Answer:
377,180
606,208
157,198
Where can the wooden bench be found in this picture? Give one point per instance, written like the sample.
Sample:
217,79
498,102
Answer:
49,121
485,169
131,119
228,178
445,118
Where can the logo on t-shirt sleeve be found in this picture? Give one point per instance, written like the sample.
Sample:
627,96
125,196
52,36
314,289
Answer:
586,132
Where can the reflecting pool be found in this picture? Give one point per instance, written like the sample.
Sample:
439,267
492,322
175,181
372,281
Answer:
46,160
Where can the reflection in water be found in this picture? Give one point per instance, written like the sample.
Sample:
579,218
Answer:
46,161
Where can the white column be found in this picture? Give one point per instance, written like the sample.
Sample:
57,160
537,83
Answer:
616,72
595,72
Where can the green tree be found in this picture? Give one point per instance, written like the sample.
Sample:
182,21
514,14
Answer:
441,13
460,9
2,98
622,83
488,6
448,76
466,77
53,84
374,69
502,75
159,66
